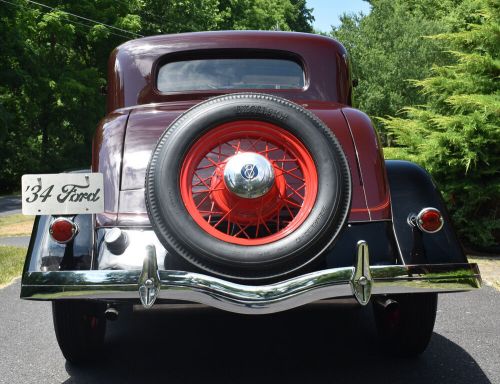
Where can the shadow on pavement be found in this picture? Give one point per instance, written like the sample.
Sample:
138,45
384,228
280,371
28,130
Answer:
317,344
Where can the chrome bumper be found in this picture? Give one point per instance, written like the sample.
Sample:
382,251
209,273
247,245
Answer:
360,281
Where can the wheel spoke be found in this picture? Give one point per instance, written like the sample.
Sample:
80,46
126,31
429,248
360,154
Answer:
265,226
212,212
278,219
289,211
214,164
236,147
252,143
294,191
226,214
267,150
220,154
293,204
203,181
284,171
288,160
207,166
207,190
242,231
203,200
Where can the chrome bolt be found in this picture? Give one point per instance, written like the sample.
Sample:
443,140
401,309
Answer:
363,280
149,283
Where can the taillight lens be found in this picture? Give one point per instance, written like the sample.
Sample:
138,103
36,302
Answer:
430,220
63,230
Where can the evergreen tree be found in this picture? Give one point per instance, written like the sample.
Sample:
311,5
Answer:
387,48
456,134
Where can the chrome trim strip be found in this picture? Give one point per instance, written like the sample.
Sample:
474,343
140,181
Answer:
248,299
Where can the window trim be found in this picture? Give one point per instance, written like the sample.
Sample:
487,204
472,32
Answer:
228,53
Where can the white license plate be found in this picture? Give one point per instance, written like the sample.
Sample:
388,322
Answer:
62,194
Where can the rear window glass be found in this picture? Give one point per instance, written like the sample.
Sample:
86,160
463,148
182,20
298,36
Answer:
240,73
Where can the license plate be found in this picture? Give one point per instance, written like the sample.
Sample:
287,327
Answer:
62,194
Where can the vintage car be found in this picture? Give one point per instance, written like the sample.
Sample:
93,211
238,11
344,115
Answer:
232,171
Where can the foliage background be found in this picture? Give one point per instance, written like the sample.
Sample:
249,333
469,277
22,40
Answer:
427,72
53,65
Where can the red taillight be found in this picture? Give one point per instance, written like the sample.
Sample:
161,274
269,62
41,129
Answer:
63,230
430,220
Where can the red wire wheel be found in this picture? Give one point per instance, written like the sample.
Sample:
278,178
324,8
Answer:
248,221
290,208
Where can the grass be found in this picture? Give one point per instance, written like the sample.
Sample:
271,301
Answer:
12,258
11,263
16,225
490,269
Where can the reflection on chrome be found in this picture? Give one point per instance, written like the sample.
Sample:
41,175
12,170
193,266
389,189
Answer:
362,281
249,299
248,175
149,281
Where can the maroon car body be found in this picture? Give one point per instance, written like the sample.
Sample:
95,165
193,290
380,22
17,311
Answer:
380,227
138,114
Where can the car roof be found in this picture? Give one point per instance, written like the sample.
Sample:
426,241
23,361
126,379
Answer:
132,65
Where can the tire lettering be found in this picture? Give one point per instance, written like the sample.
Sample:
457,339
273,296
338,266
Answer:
261,110
314,224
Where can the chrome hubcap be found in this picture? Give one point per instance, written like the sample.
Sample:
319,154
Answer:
248,175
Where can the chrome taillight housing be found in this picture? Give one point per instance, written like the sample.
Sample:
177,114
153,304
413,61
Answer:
429,220
63,230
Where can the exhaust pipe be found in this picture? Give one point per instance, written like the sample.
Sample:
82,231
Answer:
111,314
391,315
386,303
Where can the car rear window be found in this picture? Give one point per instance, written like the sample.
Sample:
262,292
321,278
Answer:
230,73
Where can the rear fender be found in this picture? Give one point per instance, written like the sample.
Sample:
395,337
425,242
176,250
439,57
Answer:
413,189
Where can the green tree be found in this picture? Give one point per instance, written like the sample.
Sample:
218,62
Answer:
387,48
456,134
299,18
286,15
174,16
53,65
50,78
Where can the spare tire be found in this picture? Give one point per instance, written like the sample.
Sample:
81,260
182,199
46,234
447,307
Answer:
248,186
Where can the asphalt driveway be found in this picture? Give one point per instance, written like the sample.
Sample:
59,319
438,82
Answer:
15,241
10,205
318,344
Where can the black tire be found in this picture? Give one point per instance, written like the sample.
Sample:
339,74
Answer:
180,234
80,329
407,332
